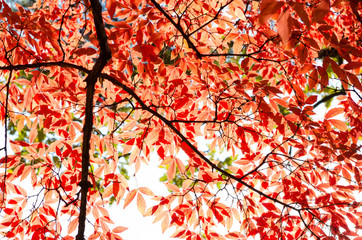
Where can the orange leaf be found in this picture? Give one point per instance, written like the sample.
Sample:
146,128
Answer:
33,133
298,91
312,43
121,24
141,203
334,112
72,225
320,11
340,125
285,25
171,171
130,197
111,7
146,191
165,223
119,229
267,9
234,235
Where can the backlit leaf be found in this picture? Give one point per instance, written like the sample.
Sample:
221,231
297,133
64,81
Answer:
130,196
334,112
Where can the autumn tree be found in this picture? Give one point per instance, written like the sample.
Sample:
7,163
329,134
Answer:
88,87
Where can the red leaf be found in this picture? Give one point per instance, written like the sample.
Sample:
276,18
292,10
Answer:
206,177
300,9
181,102
21,143
311,99
85,51
36,236
357,175
355,81
352,65
269,206
116,189
161,152
139,37
324,77
313,79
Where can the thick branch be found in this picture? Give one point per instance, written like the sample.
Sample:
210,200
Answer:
329,97
45,64
105,55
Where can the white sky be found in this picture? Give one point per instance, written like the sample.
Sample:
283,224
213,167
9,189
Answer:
140,227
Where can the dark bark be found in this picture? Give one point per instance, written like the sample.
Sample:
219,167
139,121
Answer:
105,55
329,97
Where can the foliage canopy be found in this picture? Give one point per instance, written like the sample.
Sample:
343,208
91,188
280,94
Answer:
88,87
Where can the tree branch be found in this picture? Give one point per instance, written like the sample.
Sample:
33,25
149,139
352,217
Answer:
179,28
184,139
163,119
187,36
329,97
105,55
